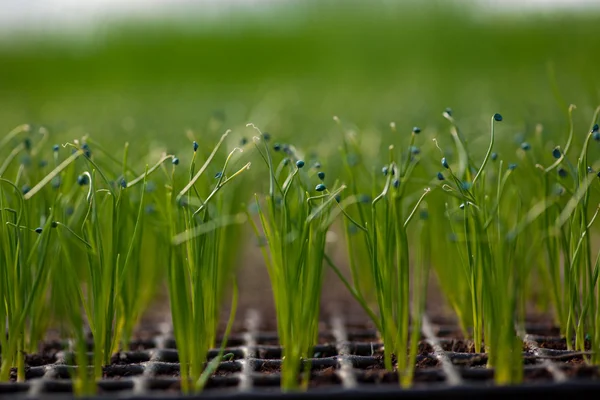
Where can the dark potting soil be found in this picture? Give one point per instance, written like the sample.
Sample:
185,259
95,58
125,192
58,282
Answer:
346,358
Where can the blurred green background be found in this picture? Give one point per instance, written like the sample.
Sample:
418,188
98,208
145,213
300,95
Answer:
293,66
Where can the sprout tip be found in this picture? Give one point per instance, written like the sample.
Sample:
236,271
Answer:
556,153
562,172
83,180
445,163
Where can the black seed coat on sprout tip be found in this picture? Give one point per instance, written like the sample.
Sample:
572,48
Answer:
595,128
414,150
55,182
25,189
445,163
218,175
175,161
364,198
384,171
53,224
338,198
512,166
462,206
494,156
321,175
123,183
396,183
448,111
243,141
286,161
27,143
497,117
195,145
525,146
440,176
562,172
266,136
300,163
38,230
317,165
590,170
596,136
320,187
55,147
416,130
276,147
556,153
83,180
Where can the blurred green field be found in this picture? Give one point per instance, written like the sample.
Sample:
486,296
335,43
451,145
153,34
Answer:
291,69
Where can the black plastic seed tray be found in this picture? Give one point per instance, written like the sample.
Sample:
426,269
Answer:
347,364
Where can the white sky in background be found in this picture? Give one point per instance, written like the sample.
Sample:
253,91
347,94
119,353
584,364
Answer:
25,15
